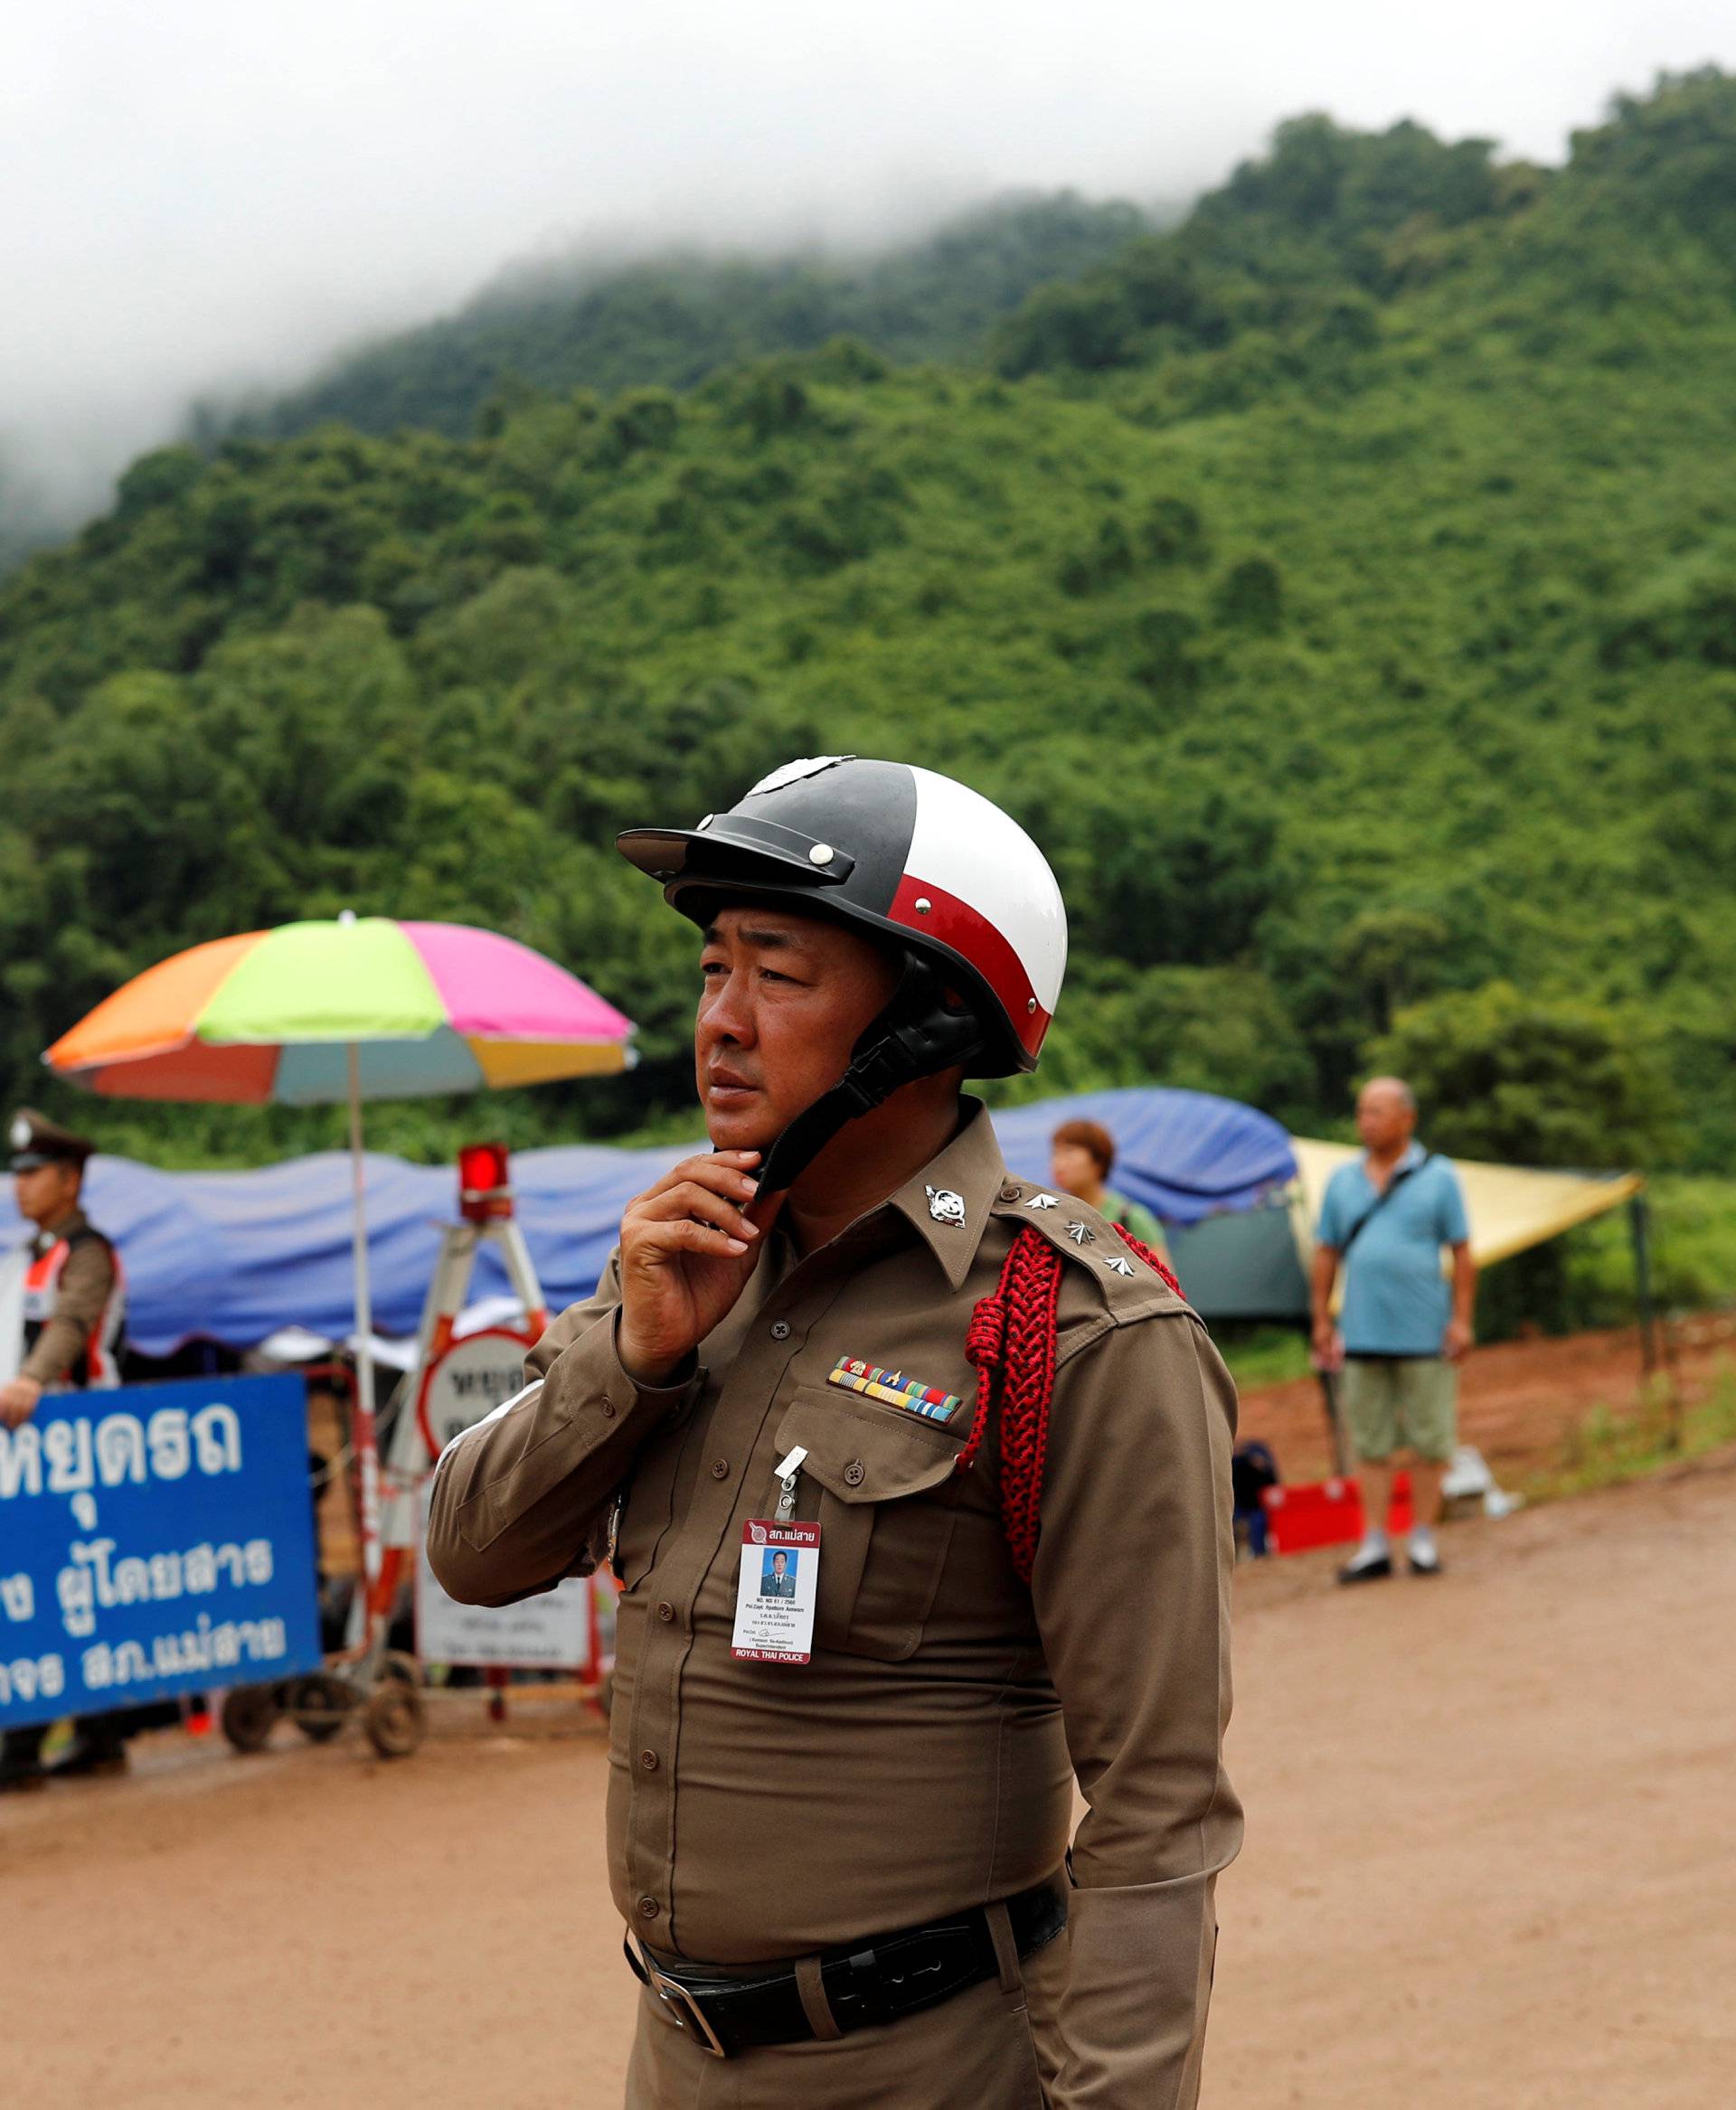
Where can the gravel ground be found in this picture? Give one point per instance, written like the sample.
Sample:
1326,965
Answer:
1491,1862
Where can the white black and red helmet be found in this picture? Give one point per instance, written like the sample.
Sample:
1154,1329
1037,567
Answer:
904,852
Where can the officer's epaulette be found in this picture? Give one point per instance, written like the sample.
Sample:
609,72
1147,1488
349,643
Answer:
1130,1288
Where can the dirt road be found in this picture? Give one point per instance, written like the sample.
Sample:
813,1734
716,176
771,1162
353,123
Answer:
1491,1862
1520,1401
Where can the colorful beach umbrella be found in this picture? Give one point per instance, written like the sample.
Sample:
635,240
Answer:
318,1013
270,1017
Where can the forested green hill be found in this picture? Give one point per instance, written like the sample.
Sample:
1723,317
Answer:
1342,588
673,319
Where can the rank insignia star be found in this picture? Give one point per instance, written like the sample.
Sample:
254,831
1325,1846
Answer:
1040,1201
1081,1234
1118,1265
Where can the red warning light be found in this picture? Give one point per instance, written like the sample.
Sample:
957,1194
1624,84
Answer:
483,1189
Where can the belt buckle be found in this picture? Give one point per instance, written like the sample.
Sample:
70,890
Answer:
685,2010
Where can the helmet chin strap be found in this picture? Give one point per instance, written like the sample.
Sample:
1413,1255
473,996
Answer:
918,1035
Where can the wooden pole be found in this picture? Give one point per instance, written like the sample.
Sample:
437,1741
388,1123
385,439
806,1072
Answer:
1639,1226
1343,1464
1639,1231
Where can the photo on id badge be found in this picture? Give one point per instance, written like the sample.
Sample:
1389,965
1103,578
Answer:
774,1598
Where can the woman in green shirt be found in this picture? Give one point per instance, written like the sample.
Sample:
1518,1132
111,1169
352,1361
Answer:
1080,1154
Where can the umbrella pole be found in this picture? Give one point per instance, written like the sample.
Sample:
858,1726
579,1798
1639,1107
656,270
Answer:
362,1429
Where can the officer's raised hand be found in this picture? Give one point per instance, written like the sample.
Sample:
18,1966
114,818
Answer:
688,1245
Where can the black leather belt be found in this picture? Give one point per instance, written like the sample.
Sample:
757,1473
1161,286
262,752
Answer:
871,1982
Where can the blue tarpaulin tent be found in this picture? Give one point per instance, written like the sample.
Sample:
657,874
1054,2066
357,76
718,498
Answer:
1184,1155
233,1256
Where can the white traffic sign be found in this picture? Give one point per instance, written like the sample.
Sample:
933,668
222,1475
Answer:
556,1630
469,1381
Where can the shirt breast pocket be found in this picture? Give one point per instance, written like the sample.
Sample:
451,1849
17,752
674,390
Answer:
888,1501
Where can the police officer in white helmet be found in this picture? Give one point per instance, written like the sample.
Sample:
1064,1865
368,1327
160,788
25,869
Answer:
993,1444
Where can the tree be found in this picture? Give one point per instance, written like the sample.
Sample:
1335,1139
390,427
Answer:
1222,1030
1524,1079
1089,326
1392,957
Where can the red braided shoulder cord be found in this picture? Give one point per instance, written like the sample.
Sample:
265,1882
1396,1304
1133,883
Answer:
1013,1333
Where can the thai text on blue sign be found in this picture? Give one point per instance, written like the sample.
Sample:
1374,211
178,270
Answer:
154,1539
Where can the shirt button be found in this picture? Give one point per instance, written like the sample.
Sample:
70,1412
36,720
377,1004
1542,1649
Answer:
665,1610
648,1908
720,1468
855,1473
648,1759
608,1409
781,1329
1009,1192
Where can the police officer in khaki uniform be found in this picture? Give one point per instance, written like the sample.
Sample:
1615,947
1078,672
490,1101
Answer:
74,1299
835,1323
74,1302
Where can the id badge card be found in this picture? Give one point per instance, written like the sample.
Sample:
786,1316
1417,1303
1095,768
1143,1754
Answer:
776,1592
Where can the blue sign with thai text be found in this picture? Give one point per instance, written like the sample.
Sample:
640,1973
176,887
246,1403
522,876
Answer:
154,1539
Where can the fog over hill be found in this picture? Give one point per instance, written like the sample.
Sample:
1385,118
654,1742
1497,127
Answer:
677,317
206,200
917,278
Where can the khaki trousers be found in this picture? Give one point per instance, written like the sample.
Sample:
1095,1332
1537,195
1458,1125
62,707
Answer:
995,2047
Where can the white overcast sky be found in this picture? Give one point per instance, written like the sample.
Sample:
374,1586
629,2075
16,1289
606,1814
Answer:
200,193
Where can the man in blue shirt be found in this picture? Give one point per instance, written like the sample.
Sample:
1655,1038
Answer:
1384,1222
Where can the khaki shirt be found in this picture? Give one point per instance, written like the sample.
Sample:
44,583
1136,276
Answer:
87,1280
925,1756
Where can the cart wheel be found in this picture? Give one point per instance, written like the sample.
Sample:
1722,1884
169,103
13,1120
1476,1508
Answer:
321,1704
406,1670
393,1718
249,1715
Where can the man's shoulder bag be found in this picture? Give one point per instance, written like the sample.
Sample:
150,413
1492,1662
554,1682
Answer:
1379,1204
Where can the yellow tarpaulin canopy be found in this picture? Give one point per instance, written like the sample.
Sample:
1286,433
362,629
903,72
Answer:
1510,1207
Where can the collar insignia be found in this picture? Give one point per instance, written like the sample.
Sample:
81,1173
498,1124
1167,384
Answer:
1040,1201
944,1206
1118,1265
1081,1234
